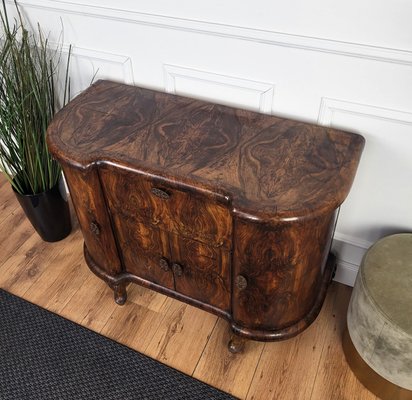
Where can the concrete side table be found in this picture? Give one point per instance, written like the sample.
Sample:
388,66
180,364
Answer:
378,340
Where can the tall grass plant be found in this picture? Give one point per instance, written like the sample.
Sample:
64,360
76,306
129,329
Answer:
28,102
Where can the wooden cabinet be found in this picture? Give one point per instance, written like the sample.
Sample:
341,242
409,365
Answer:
170,237
226,209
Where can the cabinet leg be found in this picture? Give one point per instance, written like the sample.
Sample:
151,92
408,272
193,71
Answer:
236,344
120,293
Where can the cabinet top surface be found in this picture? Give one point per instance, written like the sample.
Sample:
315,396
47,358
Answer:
268,167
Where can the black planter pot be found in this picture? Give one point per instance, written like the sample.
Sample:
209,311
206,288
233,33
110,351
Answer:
48,212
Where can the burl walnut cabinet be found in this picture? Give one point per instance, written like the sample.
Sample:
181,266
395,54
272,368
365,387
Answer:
228,210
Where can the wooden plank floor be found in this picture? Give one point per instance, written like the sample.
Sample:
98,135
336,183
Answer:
55,276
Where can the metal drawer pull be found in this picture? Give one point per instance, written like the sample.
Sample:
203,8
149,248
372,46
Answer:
94,228
241,282
177,269
164,264
160,193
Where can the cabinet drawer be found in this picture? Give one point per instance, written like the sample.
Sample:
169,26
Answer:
191,215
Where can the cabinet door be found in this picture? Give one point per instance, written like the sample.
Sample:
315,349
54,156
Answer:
278,271
144,248
88,201
145,251
201,272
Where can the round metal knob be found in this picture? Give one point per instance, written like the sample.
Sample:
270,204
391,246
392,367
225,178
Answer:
177,269
241,282
164,265
94,228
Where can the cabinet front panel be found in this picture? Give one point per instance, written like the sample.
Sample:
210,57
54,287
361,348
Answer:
187,214
93,217
277,270
201,272
144,249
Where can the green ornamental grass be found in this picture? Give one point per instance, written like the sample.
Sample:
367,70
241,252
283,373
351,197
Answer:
28,102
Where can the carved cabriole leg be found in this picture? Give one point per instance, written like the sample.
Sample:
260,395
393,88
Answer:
236,344
120,293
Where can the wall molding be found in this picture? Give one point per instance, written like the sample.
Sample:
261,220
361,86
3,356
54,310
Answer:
264,92
341,48
350,252
346,273
124,62
329,106
353,241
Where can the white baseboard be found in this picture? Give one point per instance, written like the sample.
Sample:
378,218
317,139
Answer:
350,252
346,273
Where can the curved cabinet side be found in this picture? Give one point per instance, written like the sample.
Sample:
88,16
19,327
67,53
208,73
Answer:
279,275
90,207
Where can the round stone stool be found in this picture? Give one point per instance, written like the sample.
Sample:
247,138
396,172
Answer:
378,340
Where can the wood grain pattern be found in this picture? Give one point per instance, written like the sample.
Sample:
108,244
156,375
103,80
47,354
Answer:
184,212
134,324
7,205
53,289
90,311
25,267
264,164
284,365
284,370
278,263
181,337
10,240
228,210
143,249
93,217
206,272
233,373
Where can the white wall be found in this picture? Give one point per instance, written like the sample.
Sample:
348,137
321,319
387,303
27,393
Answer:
344,64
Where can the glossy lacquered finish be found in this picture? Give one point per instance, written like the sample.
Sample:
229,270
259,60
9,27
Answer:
48,212
226,209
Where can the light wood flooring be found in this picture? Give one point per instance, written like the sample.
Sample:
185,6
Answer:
55,276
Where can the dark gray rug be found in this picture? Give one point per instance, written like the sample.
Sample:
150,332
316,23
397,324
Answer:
44,356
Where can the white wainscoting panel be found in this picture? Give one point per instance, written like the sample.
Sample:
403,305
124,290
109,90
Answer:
265,36
89,65
380,200
228,90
